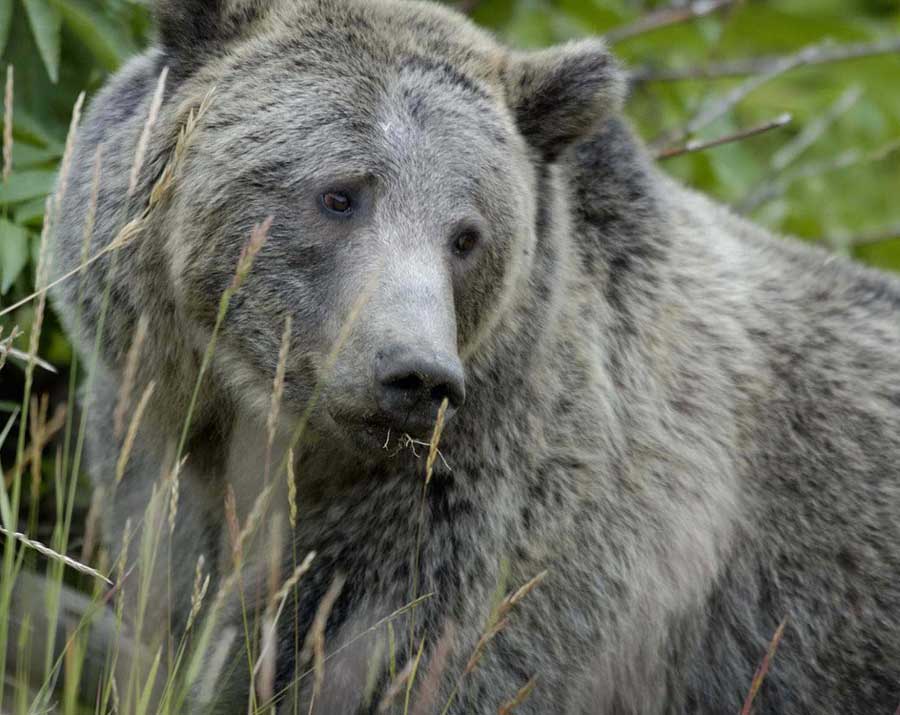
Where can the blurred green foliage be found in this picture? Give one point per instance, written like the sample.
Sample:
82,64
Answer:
843,188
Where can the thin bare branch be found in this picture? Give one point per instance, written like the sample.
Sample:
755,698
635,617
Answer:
664,17
794,149
814,131
870,237
720,106
695,145
824,53
844,160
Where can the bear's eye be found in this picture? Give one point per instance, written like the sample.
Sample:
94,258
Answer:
466,242
337,202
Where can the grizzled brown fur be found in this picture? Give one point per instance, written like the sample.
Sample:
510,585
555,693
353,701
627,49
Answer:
690,424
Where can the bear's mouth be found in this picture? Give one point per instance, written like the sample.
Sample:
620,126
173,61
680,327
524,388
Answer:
374,432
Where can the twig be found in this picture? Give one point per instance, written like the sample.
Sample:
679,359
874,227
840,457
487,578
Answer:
845,160
763,669
795,148
821,54
696,145
664,17
870,237
814,131
719,107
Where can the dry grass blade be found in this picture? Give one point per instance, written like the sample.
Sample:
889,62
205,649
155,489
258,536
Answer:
42,431
24,357
91,523
6,343
428,692
144,140
249,252
314,646
396,687
292,490
404,680
55,556
131,436
524,693
167,177
435,440
198,593
234,527
133,228
130,376
277,392
66,163
498,621
763,669
174,492
264,670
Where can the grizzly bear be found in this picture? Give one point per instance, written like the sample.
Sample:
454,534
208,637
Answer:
686,428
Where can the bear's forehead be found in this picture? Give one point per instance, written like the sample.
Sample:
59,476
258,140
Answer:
373,38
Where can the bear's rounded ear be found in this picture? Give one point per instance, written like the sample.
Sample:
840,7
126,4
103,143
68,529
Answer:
559,94
190,30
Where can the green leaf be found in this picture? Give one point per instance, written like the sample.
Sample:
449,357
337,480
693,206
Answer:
26,185
13,253
46,25
31,213
26,156
6,9
100,36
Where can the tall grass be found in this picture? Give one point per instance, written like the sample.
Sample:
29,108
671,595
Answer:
67,621
87,626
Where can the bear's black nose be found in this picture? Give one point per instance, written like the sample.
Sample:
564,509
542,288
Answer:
410,387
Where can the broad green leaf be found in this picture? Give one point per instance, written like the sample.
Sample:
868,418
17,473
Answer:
13,253
31,213
6,10
25,185
46,24
105,41
26,156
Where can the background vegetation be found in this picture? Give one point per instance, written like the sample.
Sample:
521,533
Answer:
815,82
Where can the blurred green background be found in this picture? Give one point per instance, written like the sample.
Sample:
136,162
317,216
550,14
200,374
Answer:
832,174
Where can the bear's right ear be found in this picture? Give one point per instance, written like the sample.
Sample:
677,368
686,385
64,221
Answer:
558,95
190,30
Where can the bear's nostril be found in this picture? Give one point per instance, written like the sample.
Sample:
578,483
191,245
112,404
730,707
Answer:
407,383
443,392
410,387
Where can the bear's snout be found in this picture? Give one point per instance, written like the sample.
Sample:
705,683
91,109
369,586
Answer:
410,386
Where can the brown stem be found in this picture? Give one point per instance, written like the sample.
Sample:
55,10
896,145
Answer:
664,17
695,146
821,54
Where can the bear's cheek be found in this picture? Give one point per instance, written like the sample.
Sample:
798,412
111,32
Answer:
479,294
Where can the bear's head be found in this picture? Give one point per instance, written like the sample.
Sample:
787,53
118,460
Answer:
397,148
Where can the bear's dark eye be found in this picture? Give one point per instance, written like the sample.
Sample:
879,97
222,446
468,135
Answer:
466,242
337,202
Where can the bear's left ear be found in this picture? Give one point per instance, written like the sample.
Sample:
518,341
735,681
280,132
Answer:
558,95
